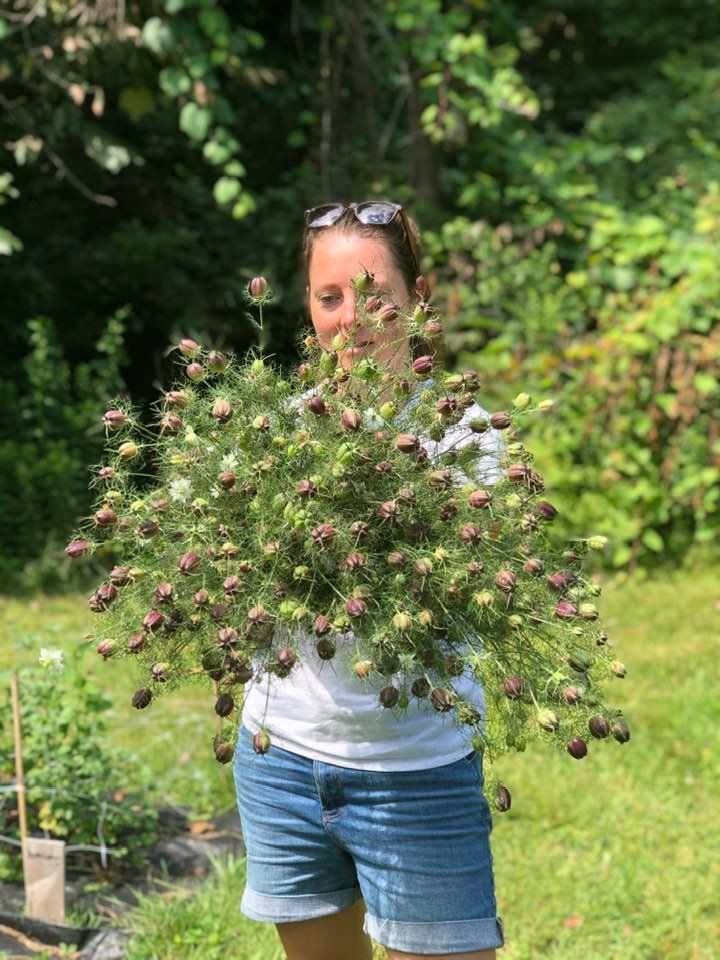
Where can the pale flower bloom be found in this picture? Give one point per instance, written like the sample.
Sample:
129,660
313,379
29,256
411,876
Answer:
371,419
229,462
51,659
181,490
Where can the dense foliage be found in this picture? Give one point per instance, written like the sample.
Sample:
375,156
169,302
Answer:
562,159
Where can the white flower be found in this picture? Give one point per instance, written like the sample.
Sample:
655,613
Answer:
191,437
51,659
371,419
229,462
210,448
214,492
181,490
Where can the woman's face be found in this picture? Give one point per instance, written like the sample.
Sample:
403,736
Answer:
336,258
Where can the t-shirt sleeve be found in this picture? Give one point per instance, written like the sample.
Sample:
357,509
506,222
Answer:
486,469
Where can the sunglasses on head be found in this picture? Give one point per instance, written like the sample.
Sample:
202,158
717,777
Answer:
369,212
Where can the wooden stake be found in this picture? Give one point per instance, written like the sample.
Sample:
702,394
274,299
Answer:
19,773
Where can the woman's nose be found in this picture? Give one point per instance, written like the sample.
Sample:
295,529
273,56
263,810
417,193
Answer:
348,317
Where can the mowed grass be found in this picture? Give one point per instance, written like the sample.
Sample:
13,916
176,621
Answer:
614,856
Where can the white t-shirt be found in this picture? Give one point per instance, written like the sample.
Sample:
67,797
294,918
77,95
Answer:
321,710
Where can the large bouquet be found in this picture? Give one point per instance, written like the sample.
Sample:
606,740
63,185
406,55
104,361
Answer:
348,502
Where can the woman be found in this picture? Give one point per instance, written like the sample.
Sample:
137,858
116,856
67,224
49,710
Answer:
356,821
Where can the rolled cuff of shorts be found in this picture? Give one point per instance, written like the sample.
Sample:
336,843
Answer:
306,906
445,936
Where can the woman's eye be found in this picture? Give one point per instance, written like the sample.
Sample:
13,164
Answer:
328,299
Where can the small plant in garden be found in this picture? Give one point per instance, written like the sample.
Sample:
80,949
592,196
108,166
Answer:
289,515
76,785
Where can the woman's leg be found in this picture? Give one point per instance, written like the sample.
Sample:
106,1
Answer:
475,955
338,936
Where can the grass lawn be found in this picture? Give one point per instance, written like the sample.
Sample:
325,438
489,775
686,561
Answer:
615,856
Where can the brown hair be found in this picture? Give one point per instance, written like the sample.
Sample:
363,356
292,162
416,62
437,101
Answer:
393,236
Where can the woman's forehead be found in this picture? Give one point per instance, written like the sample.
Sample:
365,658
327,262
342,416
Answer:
337,257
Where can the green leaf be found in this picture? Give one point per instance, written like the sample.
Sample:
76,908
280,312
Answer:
244,206
652,540
705,383
4,28
216,153
157,35
226,189
9,243
136,102
195,121
174,81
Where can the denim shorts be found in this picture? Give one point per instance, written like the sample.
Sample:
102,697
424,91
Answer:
414,844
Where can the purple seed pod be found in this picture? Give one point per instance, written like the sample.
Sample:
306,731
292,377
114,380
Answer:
387,313
384,466
565,610
389,696
422,567
470,534
448,511
195,371
261,742
599,727
513,687
217,362
114,419
420,688
177,399
407,443
257,615
189,347
201,598
188,562
136,643
475,568
149,528
323,534
354,560
396,559
105,517
620,730
503,798
224,751
226,479
163,593
258,288
325,648
387,510
500,420
545,510
446,406
505,580
441,699
533,566
227,637
480,499
322,625
170,423
141,698
557,581
372,304
152,621
106,593
351,420
106,648
107,473
423,366
571,695
217,612
432,328
221,411
120,576
577,748
317,406
231,585
287,657
517,472
160,504
306,488
358,528
356,607
224,705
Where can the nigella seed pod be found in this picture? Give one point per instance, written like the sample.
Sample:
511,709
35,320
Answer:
402,621
224,705
257,615
77,548
189,347
195,372
503,798
221,410
441,699
106,648
422,567
534,566
362,669
480,499
571,695
224,751
384,466
304,372
105,517
500,420
448,511
545,510
439,479
107,473
470,534
548,720
588,611
387,510
422,367
387,313
114,419
170,423
141,698
372,304
557,581
479,425
317,406
616,667
599,727
226,479
325,648
446,406
160,672
475,568
231,585
351,420
407,443
565,610
258,288
152,621
513,687
217,612
577,748
287,657
148,529
505,580
306,488
354,560
432,328
356,607
358,528
323,534
120,576
321,625
261,742
188,562
217,361
176,398
163,593
397,559
227,637
620,730
261,422
420,688
517,472
200,599
389,696
136,643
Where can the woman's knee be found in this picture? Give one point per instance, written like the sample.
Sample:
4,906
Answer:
338,936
